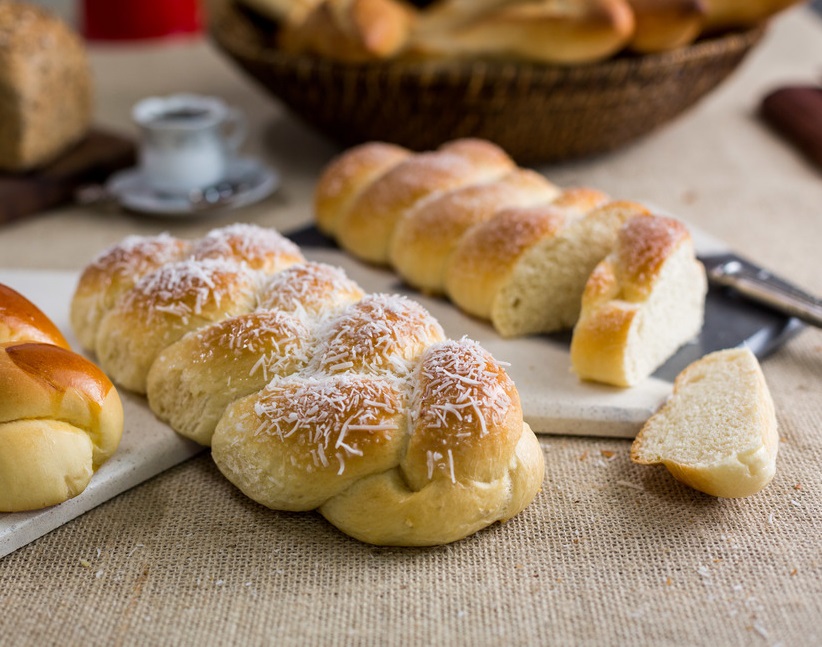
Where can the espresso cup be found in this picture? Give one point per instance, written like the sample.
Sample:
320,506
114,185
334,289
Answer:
187,141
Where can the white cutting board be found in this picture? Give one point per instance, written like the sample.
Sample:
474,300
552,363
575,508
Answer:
554,401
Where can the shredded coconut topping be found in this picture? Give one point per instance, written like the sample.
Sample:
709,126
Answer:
309,288
333,417
261,248
280,342
462,393
189,288
381,334
136,256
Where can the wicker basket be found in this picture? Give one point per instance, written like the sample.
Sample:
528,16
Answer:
537,113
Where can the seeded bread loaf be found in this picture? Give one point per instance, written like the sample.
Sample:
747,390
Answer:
45,87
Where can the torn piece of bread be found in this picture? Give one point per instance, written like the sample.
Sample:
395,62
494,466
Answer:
641,303
718,431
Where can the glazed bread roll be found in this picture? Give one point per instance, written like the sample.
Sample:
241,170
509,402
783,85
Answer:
425,238
547,31
306,388
21,320
60,417
662,25
718,431
46,85
640,304
352,31
365,229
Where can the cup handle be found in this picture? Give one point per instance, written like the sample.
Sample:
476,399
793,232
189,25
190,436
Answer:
237,129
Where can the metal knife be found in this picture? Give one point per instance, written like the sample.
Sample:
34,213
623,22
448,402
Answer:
760,285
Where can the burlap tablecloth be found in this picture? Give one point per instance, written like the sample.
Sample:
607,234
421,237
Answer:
609,553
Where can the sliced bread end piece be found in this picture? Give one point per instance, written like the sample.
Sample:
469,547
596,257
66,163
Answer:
717,433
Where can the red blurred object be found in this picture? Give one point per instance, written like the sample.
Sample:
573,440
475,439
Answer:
137,19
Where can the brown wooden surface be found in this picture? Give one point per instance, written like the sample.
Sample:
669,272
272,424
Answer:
91,161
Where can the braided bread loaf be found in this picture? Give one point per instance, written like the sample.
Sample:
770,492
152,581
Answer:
60,417
314,395
503,243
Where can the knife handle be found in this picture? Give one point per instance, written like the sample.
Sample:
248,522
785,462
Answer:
762,286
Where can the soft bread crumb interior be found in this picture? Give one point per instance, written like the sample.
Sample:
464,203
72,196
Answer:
714,414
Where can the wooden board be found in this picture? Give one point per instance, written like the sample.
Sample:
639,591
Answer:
91,161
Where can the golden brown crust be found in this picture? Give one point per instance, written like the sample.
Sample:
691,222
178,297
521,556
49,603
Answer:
640,303
193,381
486,254
464,418
379,334
367,227
351,31
347,175
60,419
312,438
666,24
644,244
21,320
314,289
550,31
425,238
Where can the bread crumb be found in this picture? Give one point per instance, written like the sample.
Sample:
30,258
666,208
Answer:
633,486
770,518
797,486
669,581
85,563
98,574
136,547
794,572
607,453
796,503
583,456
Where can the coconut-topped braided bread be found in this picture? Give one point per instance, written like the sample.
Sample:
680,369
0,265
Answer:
306,388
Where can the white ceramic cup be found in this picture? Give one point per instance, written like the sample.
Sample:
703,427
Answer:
187,140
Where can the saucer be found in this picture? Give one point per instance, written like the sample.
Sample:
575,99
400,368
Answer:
252,181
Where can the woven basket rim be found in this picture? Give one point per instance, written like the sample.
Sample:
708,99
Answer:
621,66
